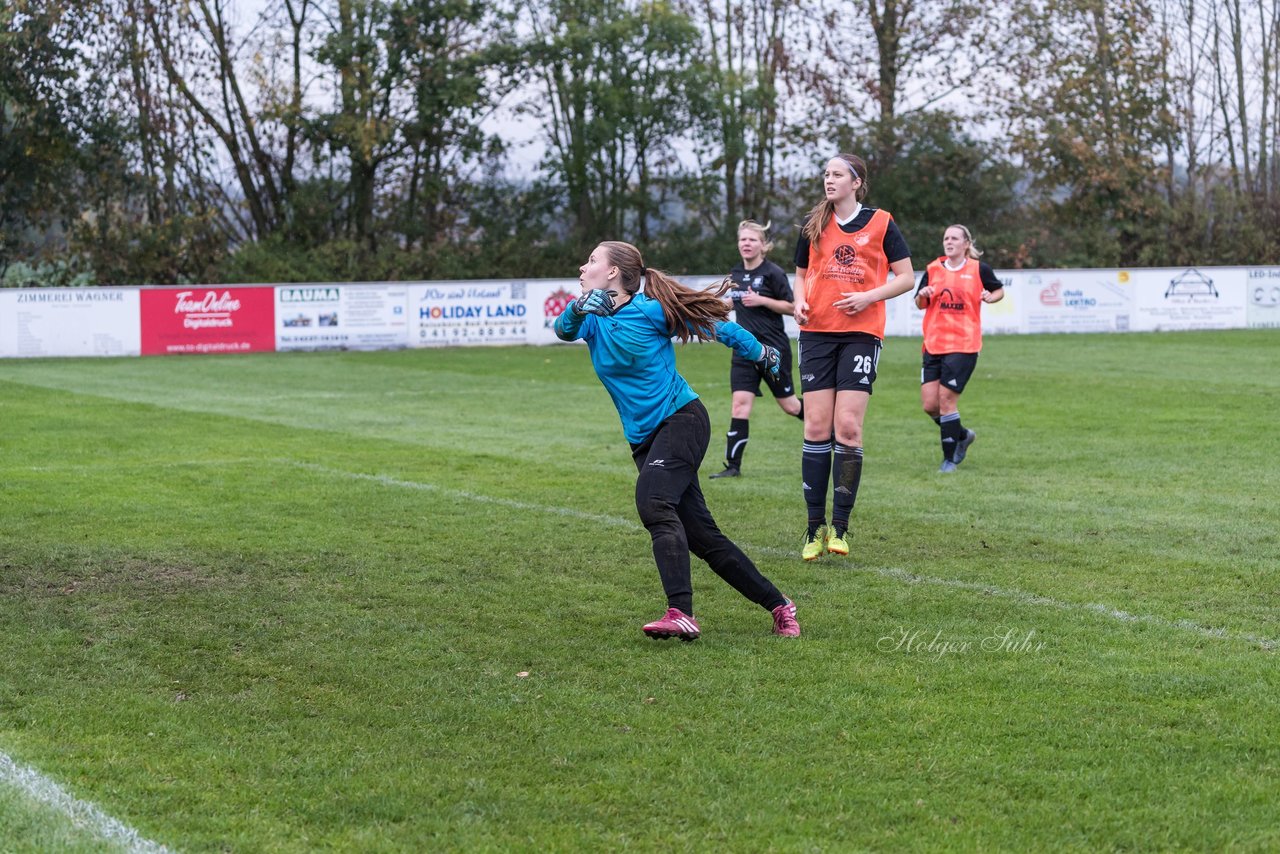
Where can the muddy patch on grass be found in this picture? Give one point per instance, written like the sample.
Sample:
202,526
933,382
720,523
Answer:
89,577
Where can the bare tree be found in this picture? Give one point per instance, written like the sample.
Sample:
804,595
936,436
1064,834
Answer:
760,65
202,59
1088,117
914,56
616,85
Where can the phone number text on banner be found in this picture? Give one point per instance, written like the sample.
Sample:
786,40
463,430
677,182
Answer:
445,314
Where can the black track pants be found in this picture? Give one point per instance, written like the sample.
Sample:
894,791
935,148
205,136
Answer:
675,513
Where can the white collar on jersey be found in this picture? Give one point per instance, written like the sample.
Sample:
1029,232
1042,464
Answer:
857,210
946,262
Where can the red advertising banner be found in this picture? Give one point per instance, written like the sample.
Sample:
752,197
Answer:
208,319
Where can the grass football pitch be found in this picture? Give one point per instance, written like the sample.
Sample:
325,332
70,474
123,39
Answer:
392,601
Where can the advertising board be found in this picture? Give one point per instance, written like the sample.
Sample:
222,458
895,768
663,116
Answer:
207,319
69,322
342,317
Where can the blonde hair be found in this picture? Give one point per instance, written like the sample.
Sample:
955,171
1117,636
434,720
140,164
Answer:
689,313
762,230
825,209
973,251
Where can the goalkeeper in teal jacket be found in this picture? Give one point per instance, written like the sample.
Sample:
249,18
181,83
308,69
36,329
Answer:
629,335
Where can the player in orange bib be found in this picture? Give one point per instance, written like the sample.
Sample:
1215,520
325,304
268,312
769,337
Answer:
951,293
849,260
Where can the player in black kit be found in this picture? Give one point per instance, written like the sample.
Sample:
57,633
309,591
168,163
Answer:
761,296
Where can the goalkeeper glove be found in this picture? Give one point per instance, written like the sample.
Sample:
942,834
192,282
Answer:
594,302
770,360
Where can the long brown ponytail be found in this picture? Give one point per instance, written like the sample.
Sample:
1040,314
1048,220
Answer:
689,313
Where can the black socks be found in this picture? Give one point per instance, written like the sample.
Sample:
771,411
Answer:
845,476
736,441
952,432
815,472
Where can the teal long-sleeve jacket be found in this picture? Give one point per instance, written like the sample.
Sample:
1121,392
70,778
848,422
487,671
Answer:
635,358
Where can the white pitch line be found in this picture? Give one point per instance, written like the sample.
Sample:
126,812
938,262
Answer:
1025,598
141,464
81,813
901,575
510,503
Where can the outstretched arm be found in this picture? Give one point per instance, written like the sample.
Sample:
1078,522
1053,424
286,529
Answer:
738,340
742,342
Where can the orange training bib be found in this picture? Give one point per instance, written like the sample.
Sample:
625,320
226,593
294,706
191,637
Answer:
953,319
841,263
